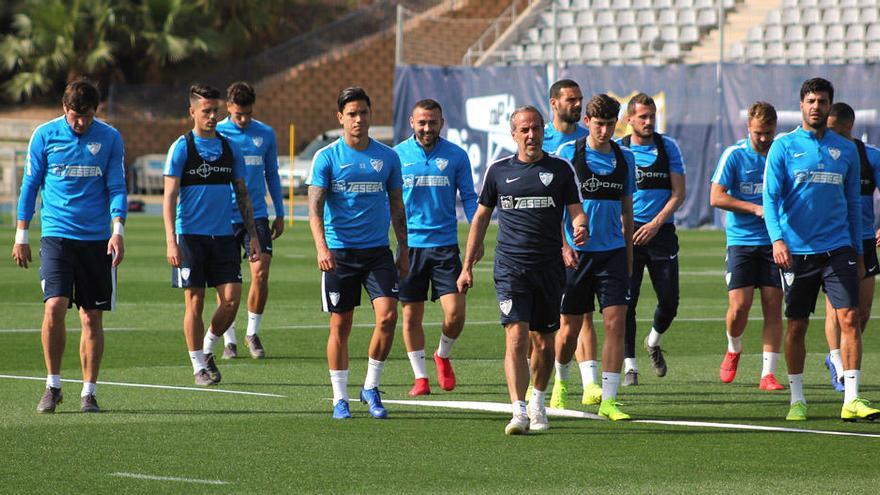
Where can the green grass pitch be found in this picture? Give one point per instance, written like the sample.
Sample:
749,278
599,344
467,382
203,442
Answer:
289,444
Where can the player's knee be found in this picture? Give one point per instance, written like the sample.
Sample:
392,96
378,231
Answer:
739,311
387,319
55,309
454,320
90,319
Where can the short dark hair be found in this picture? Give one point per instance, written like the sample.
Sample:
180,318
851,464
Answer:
241,93
843,113
205,91
524,109
81,96
602,106
428,104
639,99
561,84
350,94
817,85
763,112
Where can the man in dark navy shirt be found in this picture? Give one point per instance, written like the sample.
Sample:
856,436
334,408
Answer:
531,190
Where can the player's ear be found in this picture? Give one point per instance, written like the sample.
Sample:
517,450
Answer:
339,117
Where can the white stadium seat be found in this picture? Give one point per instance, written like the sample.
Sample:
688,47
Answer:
835,32
568,35
667,17
855,32
755,33
773,33
585,18
589,34
816,33
687,17
626,18
629,34
646,18
689,35
707,18
605,18
873,32
794,33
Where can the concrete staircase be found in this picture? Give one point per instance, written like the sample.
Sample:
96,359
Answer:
737,23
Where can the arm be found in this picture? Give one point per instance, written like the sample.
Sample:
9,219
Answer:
719,198
115,182
626,218
569,255
854,201
774,174
35,172
169,215
476,235
247,216
398,223
676,198
317,198
465,183
274,185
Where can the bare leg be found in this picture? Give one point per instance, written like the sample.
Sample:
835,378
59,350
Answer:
337,341
91,343
193,326
516,369
383,334
54,333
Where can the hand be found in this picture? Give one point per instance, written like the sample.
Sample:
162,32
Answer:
256,252
759,211
277,227
465,281
581,235
116,248
645,233
402,263
21,253
172,254
781,255
569,256
326,261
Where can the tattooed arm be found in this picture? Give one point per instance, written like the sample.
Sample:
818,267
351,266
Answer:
317,198
398,223
247,216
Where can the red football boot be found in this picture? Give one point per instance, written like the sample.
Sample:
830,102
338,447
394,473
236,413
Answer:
421,387
768,382
445,375
728,367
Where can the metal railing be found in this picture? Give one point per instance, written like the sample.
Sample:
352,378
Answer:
495,30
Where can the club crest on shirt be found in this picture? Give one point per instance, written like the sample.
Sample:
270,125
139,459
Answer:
441,163
834,152
546,178
334,298
506,305
258,141
377,164
94,148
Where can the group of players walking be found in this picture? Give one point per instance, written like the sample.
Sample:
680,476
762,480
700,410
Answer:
580,217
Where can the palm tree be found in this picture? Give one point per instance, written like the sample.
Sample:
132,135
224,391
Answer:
165,34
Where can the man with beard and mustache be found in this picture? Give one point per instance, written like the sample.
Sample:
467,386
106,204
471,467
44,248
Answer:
812,211
433,171
565,101
736,187
531,190
660,192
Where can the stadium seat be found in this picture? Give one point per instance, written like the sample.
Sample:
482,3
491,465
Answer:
755,33
755,52
831,15
849,16
605,18
816,51
816,33
649,34
589,34
706,4
629,34
707,18
689,35
591,53
835,51
835,32
642,4
687,17
607,34
684,4
855,32
564,19
601,4
873,32
632,51
791,16
855,52
774,17
794,33
581,4
773,33
667,17
872,50
869,15
671,52
571,52
611,52
622,5
663,4
811,17
585,18
534,51
775,52
646,18
669,34
568,35
808,3
796,53
626,18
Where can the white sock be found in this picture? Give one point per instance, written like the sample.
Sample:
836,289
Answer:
417,361
253,323
198,360
734,344
445,346
538,397
563,370
374,373
519,408
339,382
629,364
770,361
610,383
796,382
208,343
53,381
837,361
654,338
88,389
851,385
229,335
589,370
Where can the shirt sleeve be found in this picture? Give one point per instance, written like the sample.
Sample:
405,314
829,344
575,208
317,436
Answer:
571,193
723,171
874,159
115,179
853,199
489,194
176,158
630,187
320,174
774,179
464,181
395,179
676,160
35,172
270,158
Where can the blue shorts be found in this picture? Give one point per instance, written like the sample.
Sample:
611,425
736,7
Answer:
835,271
440,266
869,248
372,268
530,294
206,261
78,270
751,266
663,247
599,274
264,234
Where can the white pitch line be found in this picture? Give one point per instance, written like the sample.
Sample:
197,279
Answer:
169,478
76,329
566,413
147,385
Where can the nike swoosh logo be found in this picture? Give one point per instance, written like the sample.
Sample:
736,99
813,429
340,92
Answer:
850,263
628,298
798,155
408,164
101,302
872,268
512,180
673,256
341,167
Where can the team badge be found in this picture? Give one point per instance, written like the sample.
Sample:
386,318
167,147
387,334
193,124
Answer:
834,152
409,180
546,178
334,298
258,141
95,148
727,278
506,305
184,273
441,163
377,165
789,278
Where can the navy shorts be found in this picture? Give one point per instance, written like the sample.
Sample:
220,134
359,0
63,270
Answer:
78,270
663,247
835,271
600,274
372,268
264,234
751,266
530,293
439,266
869,247
206,261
